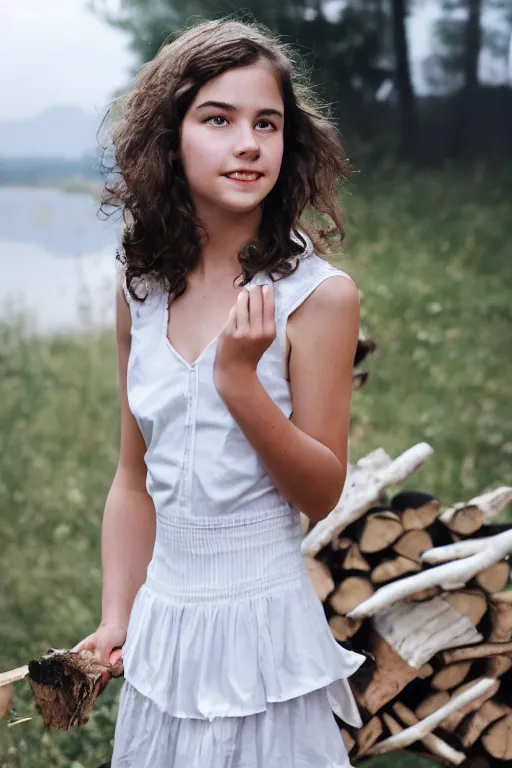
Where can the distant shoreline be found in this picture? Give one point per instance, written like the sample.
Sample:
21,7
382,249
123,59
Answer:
72,186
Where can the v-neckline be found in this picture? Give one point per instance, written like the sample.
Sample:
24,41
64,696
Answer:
206,348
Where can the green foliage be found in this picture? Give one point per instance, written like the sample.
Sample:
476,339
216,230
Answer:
430,255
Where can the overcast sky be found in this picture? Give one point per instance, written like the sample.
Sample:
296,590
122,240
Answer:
56,52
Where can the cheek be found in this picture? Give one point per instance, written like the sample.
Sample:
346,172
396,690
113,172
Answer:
196,153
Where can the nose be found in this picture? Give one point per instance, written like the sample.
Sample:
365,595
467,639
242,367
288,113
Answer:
246,144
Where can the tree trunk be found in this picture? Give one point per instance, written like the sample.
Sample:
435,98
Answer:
466,100
409,127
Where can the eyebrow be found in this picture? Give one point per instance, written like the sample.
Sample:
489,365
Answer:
231,108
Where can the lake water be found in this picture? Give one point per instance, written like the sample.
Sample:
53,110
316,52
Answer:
57,259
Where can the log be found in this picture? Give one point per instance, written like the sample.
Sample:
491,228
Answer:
412,544
463,518
432,703
344,628
419,631
390,676
453,719
380,530
420,730
504,597
433,743
476,652
13,675
494,578
473,726
352,591
354,561
501,621
461,569
492,502
497,740
450,675
368,735
348,740
422,595
364,486
457,551
388,570
418,518
340,543
320,577
497,666
469,602
391,724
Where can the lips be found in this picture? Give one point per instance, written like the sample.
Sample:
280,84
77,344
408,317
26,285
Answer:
244,175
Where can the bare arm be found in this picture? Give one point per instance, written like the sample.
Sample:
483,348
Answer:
307,455
128,532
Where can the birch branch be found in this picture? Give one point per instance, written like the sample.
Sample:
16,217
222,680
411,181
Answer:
363,487
460,571
424,727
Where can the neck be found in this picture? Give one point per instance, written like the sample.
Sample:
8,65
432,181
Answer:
226,233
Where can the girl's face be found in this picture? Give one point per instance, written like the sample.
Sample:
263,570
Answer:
231,144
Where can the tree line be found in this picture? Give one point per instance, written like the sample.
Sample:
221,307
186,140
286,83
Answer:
359,54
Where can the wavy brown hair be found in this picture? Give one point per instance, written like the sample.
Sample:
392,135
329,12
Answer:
162,234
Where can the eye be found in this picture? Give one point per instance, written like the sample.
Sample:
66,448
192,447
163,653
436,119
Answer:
268,123
215,117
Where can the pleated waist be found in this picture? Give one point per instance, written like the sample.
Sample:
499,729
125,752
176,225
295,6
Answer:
239,556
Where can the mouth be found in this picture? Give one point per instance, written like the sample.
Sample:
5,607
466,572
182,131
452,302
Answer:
244,176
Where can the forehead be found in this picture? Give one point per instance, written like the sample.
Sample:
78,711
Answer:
253,87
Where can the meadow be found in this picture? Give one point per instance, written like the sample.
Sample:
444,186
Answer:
431,256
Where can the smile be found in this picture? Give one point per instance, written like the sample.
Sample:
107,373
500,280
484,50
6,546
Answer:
244,175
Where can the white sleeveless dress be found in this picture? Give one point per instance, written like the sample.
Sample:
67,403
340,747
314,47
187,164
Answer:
229,660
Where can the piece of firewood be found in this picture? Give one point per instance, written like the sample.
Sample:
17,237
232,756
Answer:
380,529
497,740
463,518
505,597
450,675
461,569
431,704
412,544
453,719
457,551
390,676
6,692
363,487
348,740
501,621
422,595
433,743
352,591
354,561
368,734
468,602
417,509
320,577
492,502
472,727
391,724
421,729
388,570
343,628
481,651
13,675
419,631
497,666
494,578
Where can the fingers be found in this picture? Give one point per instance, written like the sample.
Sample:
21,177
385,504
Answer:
242,312
268,312
255,310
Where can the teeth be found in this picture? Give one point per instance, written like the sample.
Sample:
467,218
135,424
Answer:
243,176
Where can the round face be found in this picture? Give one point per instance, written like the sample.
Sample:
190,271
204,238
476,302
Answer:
231,144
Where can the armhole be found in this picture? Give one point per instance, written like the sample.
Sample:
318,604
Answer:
298,298
306,291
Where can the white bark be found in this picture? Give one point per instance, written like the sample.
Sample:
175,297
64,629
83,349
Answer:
491,504
420,730
13,676
456,551
458,572
365,483
417,632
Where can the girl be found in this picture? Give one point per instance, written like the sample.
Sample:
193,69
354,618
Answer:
236,343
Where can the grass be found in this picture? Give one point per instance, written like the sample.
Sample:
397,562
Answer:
430,255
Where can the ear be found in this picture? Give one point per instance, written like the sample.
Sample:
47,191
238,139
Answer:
173,156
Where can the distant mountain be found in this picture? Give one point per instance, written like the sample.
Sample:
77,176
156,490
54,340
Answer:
59,132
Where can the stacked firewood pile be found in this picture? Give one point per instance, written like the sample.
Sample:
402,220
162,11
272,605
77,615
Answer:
422,592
